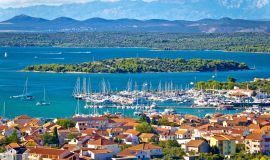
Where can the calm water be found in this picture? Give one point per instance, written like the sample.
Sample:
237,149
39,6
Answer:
59,86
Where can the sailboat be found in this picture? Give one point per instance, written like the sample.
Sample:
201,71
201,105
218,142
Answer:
215,74
43,102
24,96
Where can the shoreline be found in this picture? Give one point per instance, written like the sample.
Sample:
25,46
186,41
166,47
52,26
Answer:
150,49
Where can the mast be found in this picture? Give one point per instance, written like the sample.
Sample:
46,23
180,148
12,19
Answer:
4,110
44,96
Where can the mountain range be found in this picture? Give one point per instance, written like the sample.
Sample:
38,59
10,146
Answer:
24,23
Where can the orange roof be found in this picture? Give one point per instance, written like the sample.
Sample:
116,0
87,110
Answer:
101,142
97,151
123,120
254,126
254,136
89,131
147,135
128,153
185,127
180,132
131,124
223,137
46,151
132,131
144,146
265,128
3,127
194,143
23,117
12,145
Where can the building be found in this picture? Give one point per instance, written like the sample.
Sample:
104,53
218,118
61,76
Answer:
142,151
102,143
257,142
199,146
97,154
225,144
148,137
42,153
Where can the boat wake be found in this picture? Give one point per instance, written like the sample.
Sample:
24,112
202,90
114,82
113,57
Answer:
87,52
53,53
56,58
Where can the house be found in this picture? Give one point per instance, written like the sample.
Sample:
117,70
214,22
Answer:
80,141
20,121
184,132
132,154
82,123
102,143
148,137
142,151
97,154
198,146
257,143
113,132
42,153
128,139
167,135
14,152
225,143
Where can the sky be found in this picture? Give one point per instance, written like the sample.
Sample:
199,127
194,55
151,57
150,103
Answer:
137,9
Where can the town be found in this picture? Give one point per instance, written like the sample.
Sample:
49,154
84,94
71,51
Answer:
158,136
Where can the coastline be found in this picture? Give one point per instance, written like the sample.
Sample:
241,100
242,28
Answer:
151,49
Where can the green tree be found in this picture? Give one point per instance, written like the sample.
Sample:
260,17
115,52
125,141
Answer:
65,123
231,79
13,138
144,128
144,118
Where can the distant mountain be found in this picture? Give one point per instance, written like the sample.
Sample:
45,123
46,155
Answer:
24,23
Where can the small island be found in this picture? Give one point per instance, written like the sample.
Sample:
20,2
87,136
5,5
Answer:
141,65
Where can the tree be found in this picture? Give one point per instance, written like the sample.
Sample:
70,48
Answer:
231,79
13,138
144,118
214,150
51,139
66,123
144,128
55,138
72,135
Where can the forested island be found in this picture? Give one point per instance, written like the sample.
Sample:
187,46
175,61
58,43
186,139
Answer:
139,65
247,42
261,84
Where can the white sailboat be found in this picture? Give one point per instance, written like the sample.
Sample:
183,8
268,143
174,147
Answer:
24,96
215,73
43,102
5,55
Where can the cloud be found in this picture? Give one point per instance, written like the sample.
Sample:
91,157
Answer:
26,3
231,3
261,3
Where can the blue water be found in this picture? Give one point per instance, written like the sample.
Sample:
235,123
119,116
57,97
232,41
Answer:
59,86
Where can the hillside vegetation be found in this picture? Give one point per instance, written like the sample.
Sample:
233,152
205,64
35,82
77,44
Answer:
248,42
138,65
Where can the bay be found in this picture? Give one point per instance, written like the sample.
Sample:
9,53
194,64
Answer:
59,86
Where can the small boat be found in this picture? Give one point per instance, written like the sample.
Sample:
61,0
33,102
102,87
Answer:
24,96
43,102
5,55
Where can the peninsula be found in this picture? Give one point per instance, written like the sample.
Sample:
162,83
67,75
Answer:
141,65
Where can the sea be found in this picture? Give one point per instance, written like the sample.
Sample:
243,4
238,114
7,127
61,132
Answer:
59,86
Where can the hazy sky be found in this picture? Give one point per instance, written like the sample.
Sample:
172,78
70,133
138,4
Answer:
139,9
